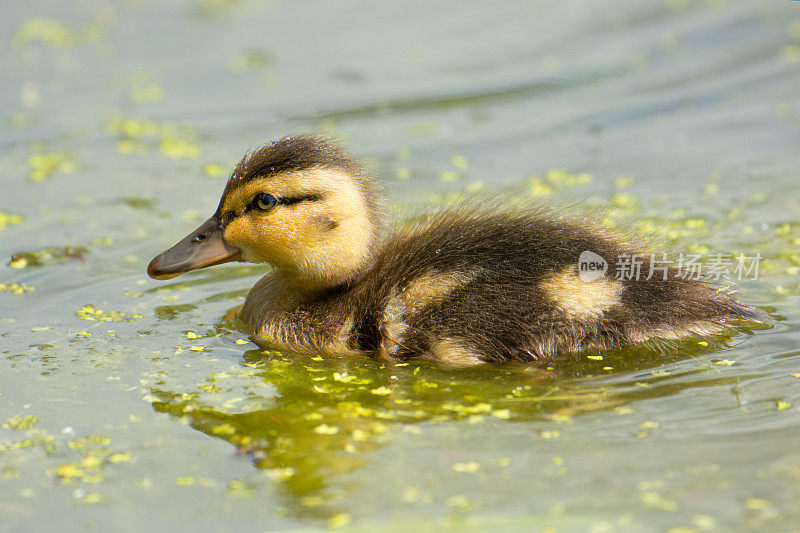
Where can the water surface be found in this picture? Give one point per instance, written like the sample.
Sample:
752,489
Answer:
126,404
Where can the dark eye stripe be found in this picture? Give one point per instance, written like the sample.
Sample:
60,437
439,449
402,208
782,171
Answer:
297,199
228,216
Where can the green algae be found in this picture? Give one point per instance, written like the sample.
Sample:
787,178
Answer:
46,256
140,136
694,438
327,416
21,423
48,32
15,288
248,61
87,458
90,312
7,219
45,165
142,88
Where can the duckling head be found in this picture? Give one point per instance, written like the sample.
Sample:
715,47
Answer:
301,204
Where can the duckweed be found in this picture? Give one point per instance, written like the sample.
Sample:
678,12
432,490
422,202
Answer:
460,502
141,135
556,179
9,473
469,468
21,423
325,429
7,219
656,500
548,434
459,161
141,94
142,88
52,33
248,61
449,176
46,256
623,182
94,497
563,178
45,165
15,288
239,489
327,438
214,170
790,53
90,312
91,454
339,520
624,200
539,188
177,147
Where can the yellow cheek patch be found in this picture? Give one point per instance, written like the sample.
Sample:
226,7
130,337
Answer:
237,231
283,234
275,236
320,242
581,299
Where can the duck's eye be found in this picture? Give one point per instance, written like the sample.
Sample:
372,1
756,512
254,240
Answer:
264,202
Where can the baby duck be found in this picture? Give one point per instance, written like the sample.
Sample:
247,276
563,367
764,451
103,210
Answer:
461,286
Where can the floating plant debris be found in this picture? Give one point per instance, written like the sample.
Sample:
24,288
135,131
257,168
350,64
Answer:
46,256
7,219
90,312
45,165
15,288
140,135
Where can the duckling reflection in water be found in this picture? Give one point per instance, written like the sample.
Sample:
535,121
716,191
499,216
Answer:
462,286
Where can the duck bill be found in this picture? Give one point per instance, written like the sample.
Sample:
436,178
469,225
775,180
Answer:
202,248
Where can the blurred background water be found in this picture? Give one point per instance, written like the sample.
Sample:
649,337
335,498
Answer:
125,404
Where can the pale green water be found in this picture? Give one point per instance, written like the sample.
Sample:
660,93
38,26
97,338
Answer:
114,117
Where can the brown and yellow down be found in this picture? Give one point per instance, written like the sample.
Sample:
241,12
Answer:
463,286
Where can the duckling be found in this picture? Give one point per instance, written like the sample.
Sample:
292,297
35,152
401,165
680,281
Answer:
461,286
